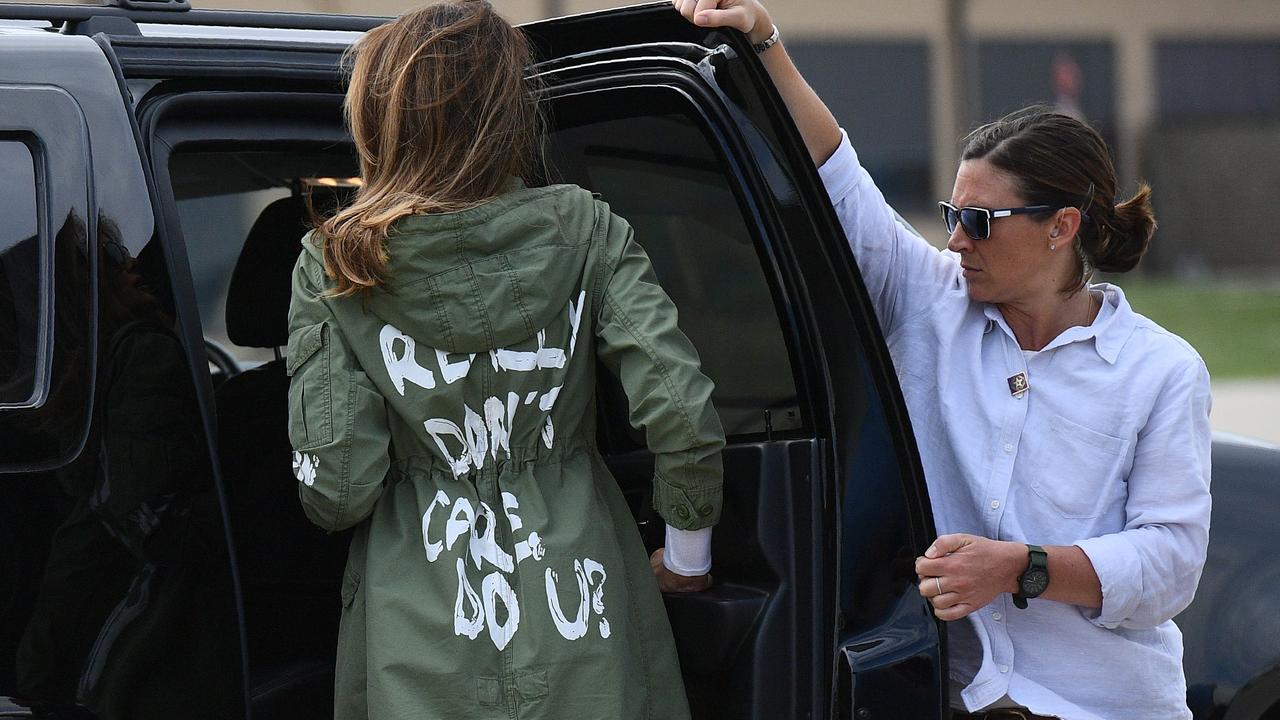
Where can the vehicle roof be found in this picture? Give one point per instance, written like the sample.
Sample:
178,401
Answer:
219,23
271,26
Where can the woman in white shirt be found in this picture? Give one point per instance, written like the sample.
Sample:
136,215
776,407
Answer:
1064,437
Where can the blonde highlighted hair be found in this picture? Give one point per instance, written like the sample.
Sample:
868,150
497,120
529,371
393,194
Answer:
442,118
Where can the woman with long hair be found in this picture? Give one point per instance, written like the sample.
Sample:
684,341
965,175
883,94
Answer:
444,335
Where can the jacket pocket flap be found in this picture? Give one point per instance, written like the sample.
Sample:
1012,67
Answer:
303,343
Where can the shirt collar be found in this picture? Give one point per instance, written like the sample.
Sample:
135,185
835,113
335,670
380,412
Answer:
1110,329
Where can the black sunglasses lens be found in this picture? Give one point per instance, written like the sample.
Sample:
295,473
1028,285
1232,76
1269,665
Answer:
949,217
976,224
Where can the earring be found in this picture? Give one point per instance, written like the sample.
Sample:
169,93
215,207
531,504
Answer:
1053,246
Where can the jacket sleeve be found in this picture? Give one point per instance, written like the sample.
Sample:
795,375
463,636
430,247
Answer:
337,419
1149,571
669,397
902,272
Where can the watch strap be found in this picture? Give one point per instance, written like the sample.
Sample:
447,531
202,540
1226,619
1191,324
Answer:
1037,558
768,42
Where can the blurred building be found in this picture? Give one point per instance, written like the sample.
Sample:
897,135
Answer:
1186,92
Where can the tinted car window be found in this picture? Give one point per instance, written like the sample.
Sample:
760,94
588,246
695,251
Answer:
44,391
664,176
20,316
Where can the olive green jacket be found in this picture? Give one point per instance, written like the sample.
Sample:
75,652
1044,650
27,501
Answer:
495,570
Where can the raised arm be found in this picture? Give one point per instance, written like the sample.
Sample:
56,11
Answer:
903,273
817,125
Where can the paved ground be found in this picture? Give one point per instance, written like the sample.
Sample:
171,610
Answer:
1248,407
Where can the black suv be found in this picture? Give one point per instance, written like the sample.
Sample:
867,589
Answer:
154,559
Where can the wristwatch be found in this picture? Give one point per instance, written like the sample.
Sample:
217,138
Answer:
1035,579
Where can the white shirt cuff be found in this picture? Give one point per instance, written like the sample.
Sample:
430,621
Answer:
688,552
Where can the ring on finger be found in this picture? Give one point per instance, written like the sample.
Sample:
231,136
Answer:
938,582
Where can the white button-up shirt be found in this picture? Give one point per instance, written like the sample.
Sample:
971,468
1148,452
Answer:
1107,450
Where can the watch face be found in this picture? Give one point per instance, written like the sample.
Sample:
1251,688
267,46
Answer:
1034,582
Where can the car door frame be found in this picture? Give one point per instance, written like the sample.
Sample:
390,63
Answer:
773,163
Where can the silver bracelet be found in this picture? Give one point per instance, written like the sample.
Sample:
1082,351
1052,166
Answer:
767,42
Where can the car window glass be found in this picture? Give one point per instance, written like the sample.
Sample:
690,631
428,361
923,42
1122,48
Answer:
45,291
214,248
220,196
20,276
663,176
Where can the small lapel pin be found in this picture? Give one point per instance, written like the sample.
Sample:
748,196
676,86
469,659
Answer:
1018,384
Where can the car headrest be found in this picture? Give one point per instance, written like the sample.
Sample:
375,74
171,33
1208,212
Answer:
257,310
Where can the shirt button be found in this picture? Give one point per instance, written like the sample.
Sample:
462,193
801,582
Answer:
1008,448
1004,668
996,616
995,504
682,512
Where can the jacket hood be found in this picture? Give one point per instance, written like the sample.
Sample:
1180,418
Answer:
487,277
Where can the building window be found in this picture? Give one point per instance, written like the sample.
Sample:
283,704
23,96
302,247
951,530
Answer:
879,92
1201,80
1075,78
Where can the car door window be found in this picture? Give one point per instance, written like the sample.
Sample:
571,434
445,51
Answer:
661,172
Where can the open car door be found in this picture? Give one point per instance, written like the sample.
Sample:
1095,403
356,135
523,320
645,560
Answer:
814,611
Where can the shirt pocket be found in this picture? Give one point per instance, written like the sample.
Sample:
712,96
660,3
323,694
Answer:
310,387
1084,478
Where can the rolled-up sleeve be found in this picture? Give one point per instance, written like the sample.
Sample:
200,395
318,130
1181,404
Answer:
1150,570
902,272
337,418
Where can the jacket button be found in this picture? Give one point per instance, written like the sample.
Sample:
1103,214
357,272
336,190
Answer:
682,512
705,511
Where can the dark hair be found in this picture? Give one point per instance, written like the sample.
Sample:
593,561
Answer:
1060,161
442,117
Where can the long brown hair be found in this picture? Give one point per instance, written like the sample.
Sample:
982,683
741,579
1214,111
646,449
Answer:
442,117
1060,161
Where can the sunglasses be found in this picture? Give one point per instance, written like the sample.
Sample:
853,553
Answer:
976,221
